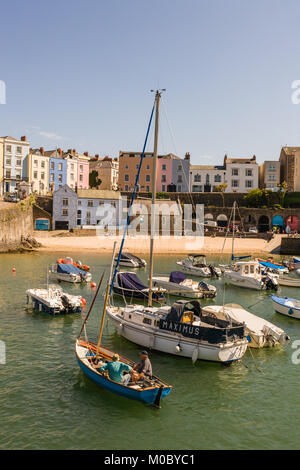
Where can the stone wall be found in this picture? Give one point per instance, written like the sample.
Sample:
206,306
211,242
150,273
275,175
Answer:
290,246
15,222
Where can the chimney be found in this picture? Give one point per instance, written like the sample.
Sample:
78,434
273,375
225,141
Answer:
42,150
86,154
60,152
187,156
24,138
74,152
97,156
70,151
254,158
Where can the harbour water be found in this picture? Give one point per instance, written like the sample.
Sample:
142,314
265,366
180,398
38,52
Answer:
47,403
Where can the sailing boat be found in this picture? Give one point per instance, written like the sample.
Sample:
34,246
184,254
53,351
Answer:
91,357
181,329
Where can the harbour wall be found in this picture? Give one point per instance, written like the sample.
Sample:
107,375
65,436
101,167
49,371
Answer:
15,222
290,246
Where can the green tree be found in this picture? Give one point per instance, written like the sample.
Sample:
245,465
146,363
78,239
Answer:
94,181
221,188
258,198
282,190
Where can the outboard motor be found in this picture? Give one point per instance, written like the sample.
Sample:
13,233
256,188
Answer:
66,303
213,272
204,286
271,283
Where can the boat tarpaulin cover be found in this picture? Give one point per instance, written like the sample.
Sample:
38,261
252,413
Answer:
69,269
130,281
177,277
266,264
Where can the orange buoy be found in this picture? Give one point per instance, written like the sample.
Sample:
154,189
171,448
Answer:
93,284
83,301
13,270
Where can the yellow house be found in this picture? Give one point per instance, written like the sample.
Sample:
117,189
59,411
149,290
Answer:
38,170
1,165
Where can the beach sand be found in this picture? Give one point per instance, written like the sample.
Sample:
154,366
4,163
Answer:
140,245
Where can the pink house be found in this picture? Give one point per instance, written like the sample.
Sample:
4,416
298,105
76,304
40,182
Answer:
164,172
83,169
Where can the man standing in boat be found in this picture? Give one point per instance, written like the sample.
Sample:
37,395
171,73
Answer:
143,368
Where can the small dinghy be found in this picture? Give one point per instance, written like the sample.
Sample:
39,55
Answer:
68,273
286,306
177,284
131,261
197,266
261,332
127,284
150,390
54,301
288,281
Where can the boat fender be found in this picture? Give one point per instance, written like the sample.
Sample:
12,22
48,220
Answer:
178,348
291,311
83,301
93,284
248,338
13,270
284,339
119,329
195,355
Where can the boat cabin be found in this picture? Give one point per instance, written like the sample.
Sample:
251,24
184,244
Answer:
248,268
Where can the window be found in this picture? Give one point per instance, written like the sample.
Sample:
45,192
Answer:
72,176
235,172
163,178
81,168
179,188
126,177
235,183
65,212
65,201
43,164
18,174
147,321
164,167
148,189
60,167
42,175
126,187
18,162
35,163
249,183
60,178
272,167
179,167
249,172
148,167
7,173
179,179
19,150
52,177
52,166
252,269
148,178
35,175
8,161
126,167
163,187
88,218
137,167
8,148
197,188
197,178
90,203
79,203
271,178
72,166
217,178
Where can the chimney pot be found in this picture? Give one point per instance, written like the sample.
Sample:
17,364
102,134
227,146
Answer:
86,154
24,138
42,150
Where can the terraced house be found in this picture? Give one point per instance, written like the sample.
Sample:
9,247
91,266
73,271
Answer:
37,162
13,153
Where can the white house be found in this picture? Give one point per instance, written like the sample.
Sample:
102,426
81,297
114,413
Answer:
14,153
206,178
242,174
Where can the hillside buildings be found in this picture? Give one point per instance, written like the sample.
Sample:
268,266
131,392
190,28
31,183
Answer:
106,171
13,153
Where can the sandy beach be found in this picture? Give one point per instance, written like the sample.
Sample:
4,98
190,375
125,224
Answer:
140,245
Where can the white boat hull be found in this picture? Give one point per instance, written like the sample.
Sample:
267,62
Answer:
243,281
289,281
201,272
288,311
175,344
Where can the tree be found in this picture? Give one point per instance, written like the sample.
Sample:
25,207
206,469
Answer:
258,198
221,188
94,181
282,190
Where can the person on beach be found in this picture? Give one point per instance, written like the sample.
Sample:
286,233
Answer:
143,368
115,369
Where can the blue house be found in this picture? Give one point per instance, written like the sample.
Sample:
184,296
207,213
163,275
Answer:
57,170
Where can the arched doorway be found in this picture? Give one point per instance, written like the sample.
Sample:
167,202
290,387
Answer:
277,222
222,220
263,223
293,222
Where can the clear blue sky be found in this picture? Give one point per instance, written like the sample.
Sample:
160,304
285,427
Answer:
78,74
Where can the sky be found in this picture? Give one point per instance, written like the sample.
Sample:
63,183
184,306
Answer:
78,74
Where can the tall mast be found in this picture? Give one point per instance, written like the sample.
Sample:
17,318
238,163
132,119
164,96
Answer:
154,174
233,228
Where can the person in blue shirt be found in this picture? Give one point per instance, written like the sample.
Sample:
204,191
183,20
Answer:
115,369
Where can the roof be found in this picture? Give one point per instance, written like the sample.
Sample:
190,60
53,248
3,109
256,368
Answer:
98,194
207,167
291,150
246,160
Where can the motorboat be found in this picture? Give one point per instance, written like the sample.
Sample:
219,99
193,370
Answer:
127,284
196,265
181,329
54,301
69,273
288,281
260,332
286,306
249,274
69,260
131,261
177,284
150,390
273,267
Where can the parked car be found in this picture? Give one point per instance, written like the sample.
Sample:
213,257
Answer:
11,197
253,230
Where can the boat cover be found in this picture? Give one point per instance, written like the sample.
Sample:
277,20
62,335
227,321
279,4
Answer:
296,259
177,277
69,269
130,281
220,332
266,264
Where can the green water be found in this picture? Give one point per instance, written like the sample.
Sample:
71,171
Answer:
47,403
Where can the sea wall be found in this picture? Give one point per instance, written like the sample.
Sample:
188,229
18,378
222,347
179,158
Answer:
290,246
15,222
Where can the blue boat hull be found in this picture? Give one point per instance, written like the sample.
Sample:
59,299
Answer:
145,396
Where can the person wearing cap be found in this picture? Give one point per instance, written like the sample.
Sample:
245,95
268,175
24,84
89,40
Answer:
143,368
115,369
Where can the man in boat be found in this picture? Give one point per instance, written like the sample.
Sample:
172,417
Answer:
115,368
143,368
